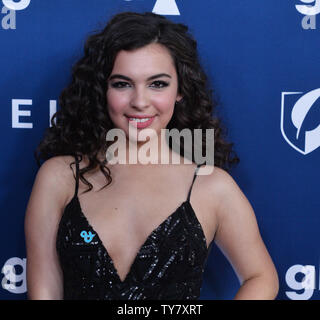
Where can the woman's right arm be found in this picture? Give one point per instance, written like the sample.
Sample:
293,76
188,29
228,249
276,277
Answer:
47,200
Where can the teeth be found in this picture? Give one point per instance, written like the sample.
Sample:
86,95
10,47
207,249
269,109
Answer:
140,120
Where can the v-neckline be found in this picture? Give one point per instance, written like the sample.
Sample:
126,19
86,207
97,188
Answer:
144,243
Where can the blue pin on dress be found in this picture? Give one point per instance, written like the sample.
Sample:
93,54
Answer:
87,236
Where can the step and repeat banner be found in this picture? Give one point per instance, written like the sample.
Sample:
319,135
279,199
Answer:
262,59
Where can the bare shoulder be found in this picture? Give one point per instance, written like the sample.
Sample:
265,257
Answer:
231,203
217,181
60,163
220,178
220,189
227,205
55,174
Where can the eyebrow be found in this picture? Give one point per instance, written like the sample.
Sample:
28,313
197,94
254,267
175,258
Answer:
120,76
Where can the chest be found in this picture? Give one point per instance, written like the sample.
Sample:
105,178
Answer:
132,209
178,243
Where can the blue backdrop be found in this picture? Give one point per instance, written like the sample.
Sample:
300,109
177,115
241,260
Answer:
262,58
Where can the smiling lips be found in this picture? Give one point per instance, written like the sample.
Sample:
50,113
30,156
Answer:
140,122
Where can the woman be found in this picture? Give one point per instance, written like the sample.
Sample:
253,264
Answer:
144,234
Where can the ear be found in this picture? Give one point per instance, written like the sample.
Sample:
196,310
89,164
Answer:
179,97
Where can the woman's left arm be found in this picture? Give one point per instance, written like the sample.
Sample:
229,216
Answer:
239,239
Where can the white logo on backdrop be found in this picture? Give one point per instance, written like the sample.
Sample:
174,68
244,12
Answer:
10,8
21,5
310,9
293,119
305,286
13,281
16,113
166,7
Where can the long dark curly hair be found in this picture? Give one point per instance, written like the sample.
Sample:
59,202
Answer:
80,126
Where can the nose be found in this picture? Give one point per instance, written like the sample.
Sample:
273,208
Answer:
139,98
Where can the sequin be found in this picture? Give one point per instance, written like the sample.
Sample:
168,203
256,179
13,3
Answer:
168,266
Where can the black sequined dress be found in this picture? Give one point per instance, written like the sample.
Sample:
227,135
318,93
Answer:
168,266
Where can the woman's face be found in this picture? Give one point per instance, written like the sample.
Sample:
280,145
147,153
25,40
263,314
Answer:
143,84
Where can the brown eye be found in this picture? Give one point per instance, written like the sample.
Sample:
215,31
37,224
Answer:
119,84
160,84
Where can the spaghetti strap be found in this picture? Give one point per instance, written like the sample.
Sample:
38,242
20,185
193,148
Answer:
194,177
77,177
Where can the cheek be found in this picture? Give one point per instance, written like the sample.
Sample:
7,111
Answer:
116,102
165,104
